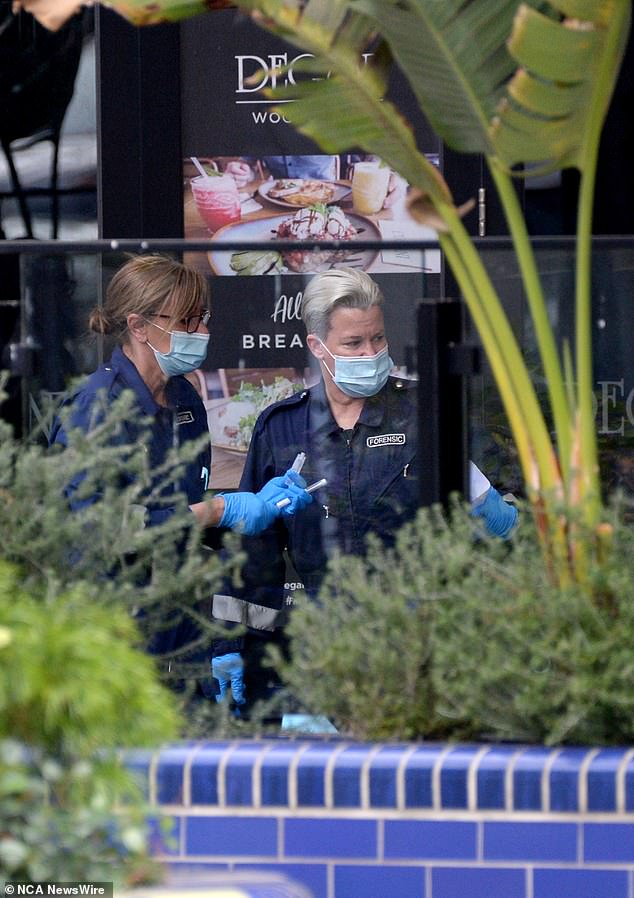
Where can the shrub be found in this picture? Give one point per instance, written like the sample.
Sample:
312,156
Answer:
455,635
72,680
81,594
73,688
159,574
59,822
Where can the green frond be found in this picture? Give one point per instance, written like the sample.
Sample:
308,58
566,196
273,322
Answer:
453,54
343,103
563,84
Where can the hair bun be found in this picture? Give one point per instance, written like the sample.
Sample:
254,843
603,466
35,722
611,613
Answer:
99,321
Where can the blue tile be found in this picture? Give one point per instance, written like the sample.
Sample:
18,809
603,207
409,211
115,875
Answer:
310,774
239,773
346,779
527,778
564,779
602,779
137,761
164,835
629,787
427,839
379,882
608,842
491,777
231,836
169,773
309,837
453,776
186,870
472,882
204,772
312,876
418,776
580,884
530,841
383,772
274,773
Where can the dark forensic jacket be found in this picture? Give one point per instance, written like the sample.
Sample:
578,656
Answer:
166,427
183,421
372,483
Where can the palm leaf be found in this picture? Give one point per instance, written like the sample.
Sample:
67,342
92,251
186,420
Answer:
343,104
563,85
453,54
516,84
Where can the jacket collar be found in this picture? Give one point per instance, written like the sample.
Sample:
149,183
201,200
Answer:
372,413
121,365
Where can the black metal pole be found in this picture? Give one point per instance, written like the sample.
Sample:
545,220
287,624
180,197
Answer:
444,362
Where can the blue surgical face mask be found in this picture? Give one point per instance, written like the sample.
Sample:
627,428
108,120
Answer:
360,376
186,353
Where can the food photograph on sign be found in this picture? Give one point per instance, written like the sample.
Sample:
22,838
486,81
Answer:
243,199
233,399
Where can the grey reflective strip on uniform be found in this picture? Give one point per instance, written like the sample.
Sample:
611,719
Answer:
230,608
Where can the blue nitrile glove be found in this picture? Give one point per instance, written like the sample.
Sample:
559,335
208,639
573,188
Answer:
247,513
499,516
229,669
291,486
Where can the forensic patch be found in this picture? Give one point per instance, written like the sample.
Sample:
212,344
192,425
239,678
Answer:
184,418
386,439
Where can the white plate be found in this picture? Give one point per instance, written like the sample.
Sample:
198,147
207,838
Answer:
223,413
341,190
261,229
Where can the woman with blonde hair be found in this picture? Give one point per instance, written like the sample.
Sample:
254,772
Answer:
157,310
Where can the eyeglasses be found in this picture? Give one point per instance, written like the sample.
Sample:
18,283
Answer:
193,322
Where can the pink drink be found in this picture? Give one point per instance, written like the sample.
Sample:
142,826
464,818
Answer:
217,200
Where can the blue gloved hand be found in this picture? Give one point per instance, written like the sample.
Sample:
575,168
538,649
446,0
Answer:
247,513
499,516
227,669
291,486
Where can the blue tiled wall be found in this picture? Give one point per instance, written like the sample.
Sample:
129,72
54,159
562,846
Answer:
354,820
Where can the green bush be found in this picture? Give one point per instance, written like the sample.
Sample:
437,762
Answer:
71,679
518,658
59,822
81,593
455,635
159,574
73,689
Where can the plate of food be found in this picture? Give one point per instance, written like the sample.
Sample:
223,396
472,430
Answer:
317,222
226,419
231,421
294,193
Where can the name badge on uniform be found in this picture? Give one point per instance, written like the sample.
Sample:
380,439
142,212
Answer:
386,439
184,418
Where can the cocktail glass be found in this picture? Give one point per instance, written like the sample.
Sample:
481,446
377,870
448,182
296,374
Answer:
217,200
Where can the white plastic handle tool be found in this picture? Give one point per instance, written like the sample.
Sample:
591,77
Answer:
309,489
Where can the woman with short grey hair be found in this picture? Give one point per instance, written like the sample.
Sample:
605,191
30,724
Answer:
343,287
358,428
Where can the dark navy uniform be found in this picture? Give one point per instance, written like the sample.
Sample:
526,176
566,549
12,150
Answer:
184,420
372,488
372,482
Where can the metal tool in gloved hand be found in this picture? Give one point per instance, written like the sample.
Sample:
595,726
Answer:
293,475
250,513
